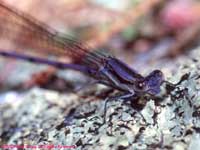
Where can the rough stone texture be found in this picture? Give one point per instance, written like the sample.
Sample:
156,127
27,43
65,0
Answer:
170,121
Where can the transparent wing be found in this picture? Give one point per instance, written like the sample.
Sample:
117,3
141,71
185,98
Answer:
31,36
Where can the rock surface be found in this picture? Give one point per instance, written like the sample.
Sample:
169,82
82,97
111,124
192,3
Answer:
171,121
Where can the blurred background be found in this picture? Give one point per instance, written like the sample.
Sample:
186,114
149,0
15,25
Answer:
145,34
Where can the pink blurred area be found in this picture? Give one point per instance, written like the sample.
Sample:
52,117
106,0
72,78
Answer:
180,14
64,14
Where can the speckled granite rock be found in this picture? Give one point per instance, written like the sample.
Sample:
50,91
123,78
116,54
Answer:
171,121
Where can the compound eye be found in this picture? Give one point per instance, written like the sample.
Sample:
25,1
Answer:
140,85
158,73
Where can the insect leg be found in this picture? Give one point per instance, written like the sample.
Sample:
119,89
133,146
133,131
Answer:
113,80
122,96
